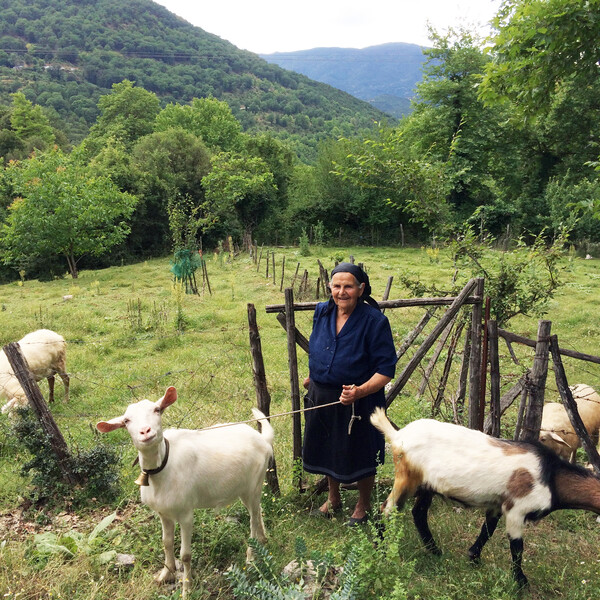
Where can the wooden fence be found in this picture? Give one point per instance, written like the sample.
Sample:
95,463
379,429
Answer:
480,352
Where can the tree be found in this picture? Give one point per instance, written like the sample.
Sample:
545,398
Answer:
168,167
415,186
242,183
545,62
208,118
127,114
60,206
540,45
30,123
449,124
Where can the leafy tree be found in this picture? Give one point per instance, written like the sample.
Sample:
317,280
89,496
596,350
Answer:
280,160
126,114
29,121
540,45
347,208
60,206
415,186
476,145
208,118
168,167
243,184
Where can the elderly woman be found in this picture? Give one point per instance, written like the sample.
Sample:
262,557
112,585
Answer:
351,358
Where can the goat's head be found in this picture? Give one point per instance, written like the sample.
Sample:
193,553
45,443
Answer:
142,420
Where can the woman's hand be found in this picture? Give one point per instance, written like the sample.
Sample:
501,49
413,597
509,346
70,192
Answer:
349,394
352,393
306,382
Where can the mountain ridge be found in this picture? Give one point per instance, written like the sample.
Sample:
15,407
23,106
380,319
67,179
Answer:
65,54
384,75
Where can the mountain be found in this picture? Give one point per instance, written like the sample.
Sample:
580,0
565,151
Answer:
65,54
384,75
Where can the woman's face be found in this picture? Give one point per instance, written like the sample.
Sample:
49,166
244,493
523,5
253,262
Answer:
345,291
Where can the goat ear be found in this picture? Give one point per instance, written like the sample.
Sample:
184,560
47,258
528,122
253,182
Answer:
168,399
558,439
106,426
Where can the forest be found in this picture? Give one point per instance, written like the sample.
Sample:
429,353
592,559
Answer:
502,140
63,55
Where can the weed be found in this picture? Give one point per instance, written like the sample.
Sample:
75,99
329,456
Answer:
303,244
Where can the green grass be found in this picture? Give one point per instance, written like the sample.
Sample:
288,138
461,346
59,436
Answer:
124,345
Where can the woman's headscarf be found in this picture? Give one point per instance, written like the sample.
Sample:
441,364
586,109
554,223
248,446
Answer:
361,277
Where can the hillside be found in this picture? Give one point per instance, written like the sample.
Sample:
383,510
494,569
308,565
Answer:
65,54
384,75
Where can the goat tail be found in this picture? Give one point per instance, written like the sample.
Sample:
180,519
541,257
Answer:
380,420
266,429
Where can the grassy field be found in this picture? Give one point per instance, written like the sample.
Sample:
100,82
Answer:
131,334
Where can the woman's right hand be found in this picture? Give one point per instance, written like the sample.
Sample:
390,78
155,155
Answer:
306,382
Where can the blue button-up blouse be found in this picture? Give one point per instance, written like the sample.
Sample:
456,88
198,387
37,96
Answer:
363,347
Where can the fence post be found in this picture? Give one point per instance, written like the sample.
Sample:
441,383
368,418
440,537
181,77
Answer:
571,406
290,326
475,359
494,378
539,372
428,342
263,398
36,400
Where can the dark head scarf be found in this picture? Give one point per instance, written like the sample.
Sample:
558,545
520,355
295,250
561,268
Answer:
361,277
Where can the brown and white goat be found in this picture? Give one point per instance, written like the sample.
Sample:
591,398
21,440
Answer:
46,354
522,481
187,469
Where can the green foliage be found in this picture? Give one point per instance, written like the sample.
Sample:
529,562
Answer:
69,55
540,45
73,542
261,580
95,468
127,113
416,187
62,207
303,244
520,281
29,121
243,184
575,206
373,568
167,171
208,118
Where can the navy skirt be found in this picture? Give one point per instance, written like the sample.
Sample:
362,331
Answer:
329,449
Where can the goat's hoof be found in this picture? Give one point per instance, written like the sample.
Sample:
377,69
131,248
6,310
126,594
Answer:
521,580
165,576
433,549
474,557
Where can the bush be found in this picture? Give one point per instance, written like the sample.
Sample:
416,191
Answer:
95,468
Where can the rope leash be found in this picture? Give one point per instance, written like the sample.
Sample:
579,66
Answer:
283,414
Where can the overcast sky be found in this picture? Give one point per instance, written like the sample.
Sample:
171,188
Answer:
265,26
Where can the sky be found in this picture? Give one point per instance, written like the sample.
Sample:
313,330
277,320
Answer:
267,26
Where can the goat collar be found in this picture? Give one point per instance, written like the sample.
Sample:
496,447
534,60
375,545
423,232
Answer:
142,480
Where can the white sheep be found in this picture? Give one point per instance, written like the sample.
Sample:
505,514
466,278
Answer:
187,469
520,480
46,353
556,430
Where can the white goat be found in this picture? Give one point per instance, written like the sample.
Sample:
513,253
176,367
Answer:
520,480
186,469
46,353
556,430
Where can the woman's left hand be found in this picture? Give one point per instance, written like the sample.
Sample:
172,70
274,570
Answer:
349,394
